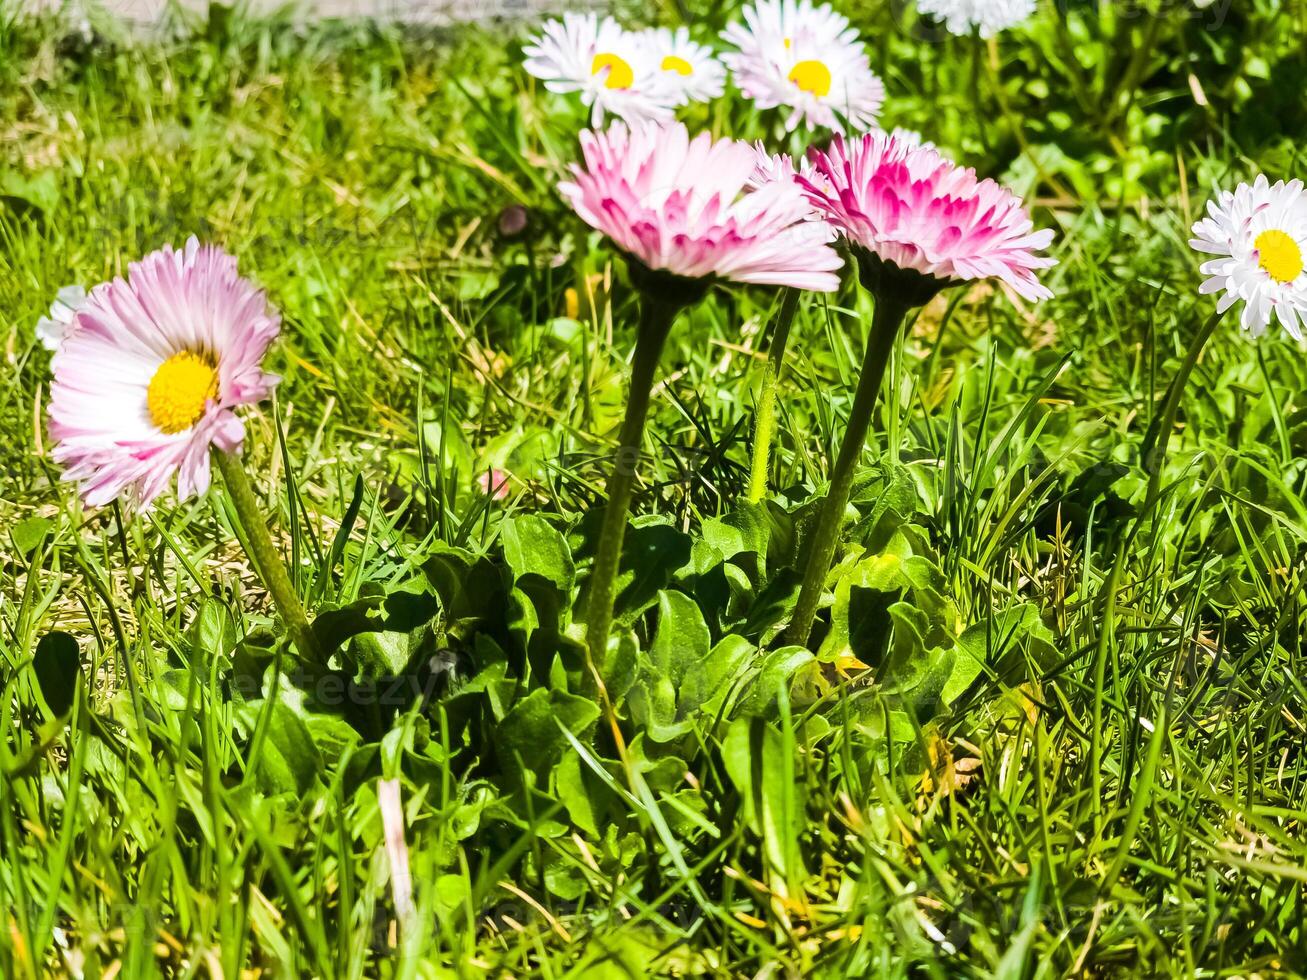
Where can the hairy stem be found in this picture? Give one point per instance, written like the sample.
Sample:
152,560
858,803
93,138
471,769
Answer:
885,326
267,560
655,322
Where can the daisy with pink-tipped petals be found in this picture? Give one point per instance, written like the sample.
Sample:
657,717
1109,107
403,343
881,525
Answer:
151,370
682,206
910,207
683,213
917,223
148,378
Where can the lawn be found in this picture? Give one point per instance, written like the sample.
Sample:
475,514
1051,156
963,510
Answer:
1049,722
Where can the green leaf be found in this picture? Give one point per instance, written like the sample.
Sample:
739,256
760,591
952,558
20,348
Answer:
776,670
865,586
533,546
213,634
680,644
24,194
447,448
745,530
288,760
529,738
682,638
995,642
582,793
382,653
346,525
27,534
682,675
721,669
469,588
652,554
893,498
382,635
774,604
58,667
759,760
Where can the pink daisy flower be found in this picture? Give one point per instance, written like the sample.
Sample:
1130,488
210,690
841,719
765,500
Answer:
148,375
769,167
915,210
683,206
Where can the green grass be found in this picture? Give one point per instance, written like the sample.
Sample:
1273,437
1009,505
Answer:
1120,788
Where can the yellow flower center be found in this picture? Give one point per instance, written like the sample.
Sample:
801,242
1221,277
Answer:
1279,255
180,390
811,76
678,65
620,74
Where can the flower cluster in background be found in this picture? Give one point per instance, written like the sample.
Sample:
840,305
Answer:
786,54
793,55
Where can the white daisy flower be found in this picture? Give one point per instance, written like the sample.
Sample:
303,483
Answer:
806,58
616,71
50,329
988,17
1259,235
688,68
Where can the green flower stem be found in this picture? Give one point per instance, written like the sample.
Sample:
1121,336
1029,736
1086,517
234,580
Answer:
764,427
267,560
885,327
655,321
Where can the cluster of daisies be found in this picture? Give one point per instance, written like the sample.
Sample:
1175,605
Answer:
785,53
725,209
789,54
149,369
